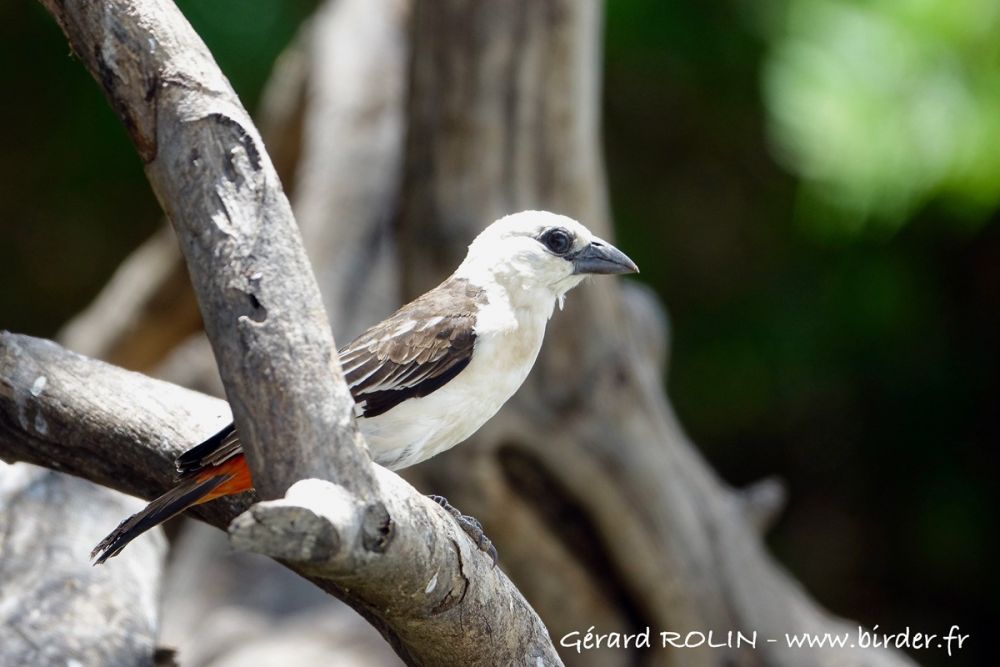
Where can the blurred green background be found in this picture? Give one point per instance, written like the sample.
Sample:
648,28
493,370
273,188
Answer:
811,185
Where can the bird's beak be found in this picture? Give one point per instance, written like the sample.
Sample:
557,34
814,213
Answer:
601,257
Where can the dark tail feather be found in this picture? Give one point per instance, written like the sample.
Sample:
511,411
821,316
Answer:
171,503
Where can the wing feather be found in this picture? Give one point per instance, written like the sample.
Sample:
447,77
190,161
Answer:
222,446
416,350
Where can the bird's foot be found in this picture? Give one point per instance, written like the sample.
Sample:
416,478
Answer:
471,526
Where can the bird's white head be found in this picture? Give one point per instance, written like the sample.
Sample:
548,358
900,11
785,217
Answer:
537,255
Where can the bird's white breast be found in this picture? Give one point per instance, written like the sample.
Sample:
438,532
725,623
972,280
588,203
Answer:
507,344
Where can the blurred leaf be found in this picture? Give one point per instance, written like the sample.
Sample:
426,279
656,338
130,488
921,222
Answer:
882,107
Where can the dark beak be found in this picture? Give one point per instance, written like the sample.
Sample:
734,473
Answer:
602,257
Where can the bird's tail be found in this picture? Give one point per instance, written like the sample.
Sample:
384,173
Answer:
231,476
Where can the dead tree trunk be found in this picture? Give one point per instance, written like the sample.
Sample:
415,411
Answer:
404,128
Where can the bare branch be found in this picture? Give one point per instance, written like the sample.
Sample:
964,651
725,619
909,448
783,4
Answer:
259,300
121,429
311,526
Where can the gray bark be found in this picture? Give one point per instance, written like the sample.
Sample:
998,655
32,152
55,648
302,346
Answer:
259,301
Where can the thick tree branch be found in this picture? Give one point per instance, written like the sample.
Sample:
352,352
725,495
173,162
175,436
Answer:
259,301
415,575
117,428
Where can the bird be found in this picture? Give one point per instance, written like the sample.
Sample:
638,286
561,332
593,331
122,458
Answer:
432,373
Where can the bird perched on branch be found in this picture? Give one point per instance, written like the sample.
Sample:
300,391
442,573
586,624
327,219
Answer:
426,378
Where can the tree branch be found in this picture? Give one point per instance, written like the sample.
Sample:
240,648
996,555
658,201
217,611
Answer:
259,301
117,428
409,569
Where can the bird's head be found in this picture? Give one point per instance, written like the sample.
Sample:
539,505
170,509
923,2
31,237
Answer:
540,254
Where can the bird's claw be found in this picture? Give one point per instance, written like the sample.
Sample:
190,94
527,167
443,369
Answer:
471,526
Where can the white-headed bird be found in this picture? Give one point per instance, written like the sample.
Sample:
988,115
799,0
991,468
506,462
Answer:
431,374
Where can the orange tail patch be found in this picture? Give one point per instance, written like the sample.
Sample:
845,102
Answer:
229,477
239,480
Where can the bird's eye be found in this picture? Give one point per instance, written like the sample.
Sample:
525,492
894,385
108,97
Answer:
557,240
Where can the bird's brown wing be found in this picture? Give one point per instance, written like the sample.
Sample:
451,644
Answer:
415,351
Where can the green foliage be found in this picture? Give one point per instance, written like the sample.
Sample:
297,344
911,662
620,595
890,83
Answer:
885,106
